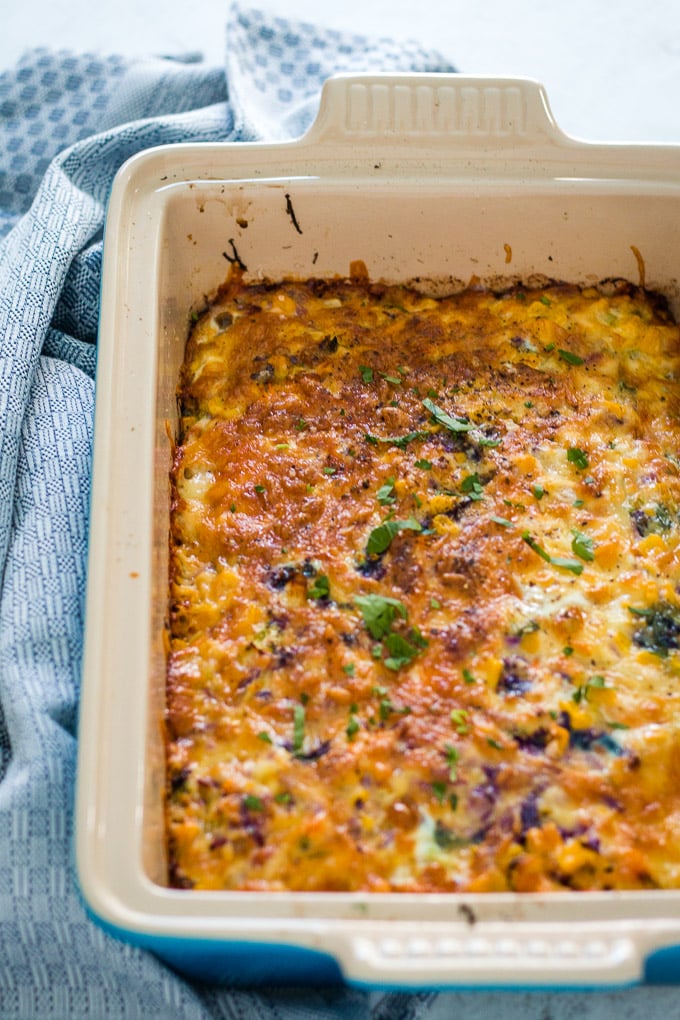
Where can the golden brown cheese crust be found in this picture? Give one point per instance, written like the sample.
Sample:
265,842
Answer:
425,621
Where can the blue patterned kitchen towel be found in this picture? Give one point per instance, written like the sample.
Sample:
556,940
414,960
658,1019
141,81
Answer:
67,122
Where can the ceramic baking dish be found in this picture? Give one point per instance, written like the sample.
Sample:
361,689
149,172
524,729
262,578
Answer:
437,177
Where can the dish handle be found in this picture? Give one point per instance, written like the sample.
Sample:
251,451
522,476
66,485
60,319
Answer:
431,958
434,108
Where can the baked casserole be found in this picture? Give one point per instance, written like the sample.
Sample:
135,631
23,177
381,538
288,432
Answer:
424,621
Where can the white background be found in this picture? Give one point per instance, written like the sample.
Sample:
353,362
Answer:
612,69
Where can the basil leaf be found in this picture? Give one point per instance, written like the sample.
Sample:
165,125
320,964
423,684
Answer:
385,494
380,539
449,422
556,561
379,613
401,651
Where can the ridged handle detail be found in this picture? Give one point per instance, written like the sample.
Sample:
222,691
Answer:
435,107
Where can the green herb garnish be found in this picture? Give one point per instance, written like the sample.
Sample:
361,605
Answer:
366,373
379,613
321,588
459,718
451,753
442,418
571,359
385,494
353,727
298,728
582,546
472,486
252,803
403,651
556,561
439,790
503,521
578,457
660,630
594,683
380,539
401,442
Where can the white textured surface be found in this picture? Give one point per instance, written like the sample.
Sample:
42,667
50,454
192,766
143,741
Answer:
612,70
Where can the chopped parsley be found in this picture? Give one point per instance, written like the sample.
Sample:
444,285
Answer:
424,464
366,373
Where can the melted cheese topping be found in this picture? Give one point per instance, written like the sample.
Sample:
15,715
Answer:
424,620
